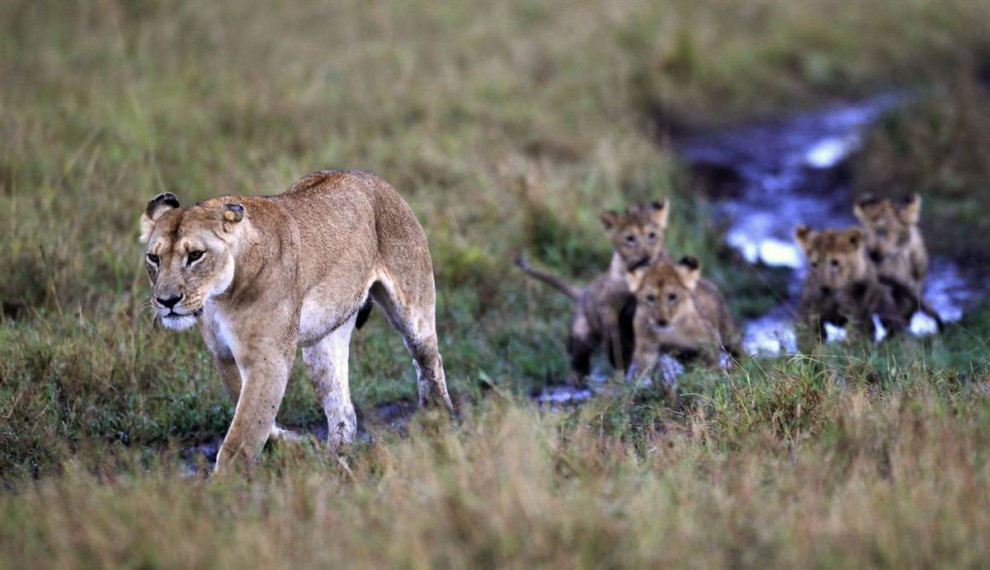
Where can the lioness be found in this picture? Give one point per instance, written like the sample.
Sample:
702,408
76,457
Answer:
637,237
680,313
895,245
263,275
842,285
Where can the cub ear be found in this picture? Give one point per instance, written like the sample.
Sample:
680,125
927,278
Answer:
855,236
154,210
690,270
233,213
635,277
659,212
859,208
610,219
803,234
910,210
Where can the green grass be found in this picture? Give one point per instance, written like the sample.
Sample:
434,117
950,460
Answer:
508,127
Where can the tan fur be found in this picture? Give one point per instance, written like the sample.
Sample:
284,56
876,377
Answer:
895,244
637,237
681,313
263,275
842,285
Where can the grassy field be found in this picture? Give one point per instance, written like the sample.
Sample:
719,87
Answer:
508,127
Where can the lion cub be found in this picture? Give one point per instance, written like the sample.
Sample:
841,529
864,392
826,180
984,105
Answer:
842,284
637,237
681,313
895,245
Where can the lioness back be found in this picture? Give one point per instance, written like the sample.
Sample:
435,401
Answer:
353,227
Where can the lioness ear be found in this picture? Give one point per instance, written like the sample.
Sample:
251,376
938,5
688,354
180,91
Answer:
689,269
659,212
803,234
610,219
156,207
233,213
910,210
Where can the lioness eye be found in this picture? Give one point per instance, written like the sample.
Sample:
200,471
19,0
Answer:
835,263
194,256
652,235
153,259
631,238
814,264
651,298
672,297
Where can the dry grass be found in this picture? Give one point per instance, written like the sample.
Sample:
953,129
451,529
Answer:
883,479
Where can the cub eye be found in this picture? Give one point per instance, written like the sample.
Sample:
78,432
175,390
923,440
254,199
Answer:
652,236
834,263
814,265
630,238
651,298
672,297
153,259
193,256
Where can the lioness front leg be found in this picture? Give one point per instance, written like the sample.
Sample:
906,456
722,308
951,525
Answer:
230,374
266,372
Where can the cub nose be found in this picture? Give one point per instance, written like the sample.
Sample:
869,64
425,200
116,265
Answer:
169,302
662,322
826,290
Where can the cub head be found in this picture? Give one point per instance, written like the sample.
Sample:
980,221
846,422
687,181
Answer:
836,258
189,255
664,291
637,234
888,224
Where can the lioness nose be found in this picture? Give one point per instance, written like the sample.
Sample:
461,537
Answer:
826,290
169,302
662,322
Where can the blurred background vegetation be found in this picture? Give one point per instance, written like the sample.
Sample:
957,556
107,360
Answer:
508,126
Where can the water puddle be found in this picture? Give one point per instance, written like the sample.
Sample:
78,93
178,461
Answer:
790,171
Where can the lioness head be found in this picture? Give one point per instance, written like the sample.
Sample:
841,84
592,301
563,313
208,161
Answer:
888,224
189,256
664,291
836,258
638,233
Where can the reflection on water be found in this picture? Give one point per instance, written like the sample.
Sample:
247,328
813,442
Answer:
795,171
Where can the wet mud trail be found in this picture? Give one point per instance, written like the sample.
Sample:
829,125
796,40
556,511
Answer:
766,178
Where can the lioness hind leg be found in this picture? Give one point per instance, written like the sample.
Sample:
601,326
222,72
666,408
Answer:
326,366
413,315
